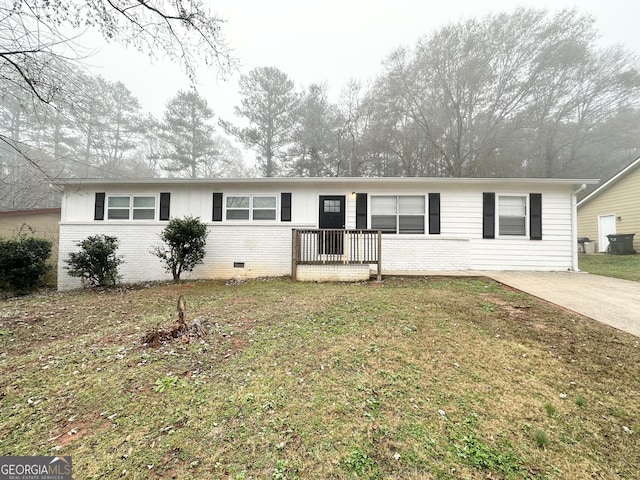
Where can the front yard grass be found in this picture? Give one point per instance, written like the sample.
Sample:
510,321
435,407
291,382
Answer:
626,267
422,378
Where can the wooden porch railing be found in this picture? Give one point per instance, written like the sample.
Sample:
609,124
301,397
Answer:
336,247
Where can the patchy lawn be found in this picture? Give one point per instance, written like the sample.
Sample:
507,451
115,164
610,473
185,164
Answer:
423,378
626,267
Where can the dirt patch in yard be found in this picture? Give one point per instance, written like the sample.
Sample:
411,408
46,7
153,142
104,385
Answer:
512,309
77,429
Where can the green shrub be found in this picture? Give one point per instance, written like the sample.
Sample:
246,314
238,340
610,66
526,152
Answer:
185,240
23,263
96,262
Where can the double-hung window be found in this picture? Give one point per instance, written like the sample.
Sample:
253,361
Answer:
251,207
398,214
512,215
131,207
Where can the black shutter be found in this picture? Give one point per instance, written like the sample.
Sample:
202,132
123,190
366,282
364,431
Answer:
285,207
165,201
98,213
535,216
434,213
217,207
488,215
361,211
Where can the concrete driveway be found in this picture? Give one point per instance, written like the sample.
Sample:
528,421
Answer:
607,300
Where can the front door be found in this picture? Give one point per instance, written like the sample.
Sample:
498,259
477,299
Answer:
331,217
606,226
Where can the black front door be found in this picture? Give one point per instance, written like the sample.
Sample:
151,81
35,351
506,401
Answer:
332,212
332,217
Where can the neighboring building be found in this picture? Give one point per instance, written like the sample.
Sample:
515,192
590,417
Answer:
40,222
428,224
613,208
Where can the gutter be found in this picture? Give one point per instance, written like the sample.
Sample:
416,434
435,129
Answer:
574,227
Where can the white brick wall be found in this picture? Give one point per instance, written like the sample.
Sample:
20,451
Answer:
333,273
267,254
135,242
265,251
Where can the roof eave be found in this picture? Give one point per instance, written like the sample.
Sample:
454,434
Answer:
612,181
335,180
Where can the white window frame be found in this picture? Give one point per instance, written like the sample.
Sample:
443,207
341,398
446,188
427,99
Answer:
252,208
131,208
525,216
399,214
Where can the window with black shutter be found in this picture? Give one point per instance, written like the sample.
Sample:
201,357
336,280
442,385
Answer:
488,215
285,207
126,207
434,214
361,211
99,206
402,214
535,220
165,201
512,215
217,207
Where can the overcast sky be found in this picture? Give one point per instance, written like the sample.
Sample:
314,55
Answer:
330,41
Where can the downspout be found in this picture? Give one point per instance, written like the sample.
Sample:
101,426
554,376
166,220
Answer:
574,227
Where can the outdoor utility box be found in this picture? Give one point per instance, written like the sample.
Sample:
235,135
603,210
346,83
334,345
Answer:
621,244
589,248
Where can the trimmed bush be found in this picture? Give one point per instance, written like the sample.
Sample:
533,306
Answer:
23,263
96,263
185,240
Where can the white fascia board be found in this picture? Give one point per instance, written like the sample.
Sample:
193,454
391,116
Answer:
351,181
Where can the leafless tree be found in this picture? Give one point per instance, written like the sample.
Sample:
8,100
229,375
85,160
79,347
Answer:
507,94
40,54
34,42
